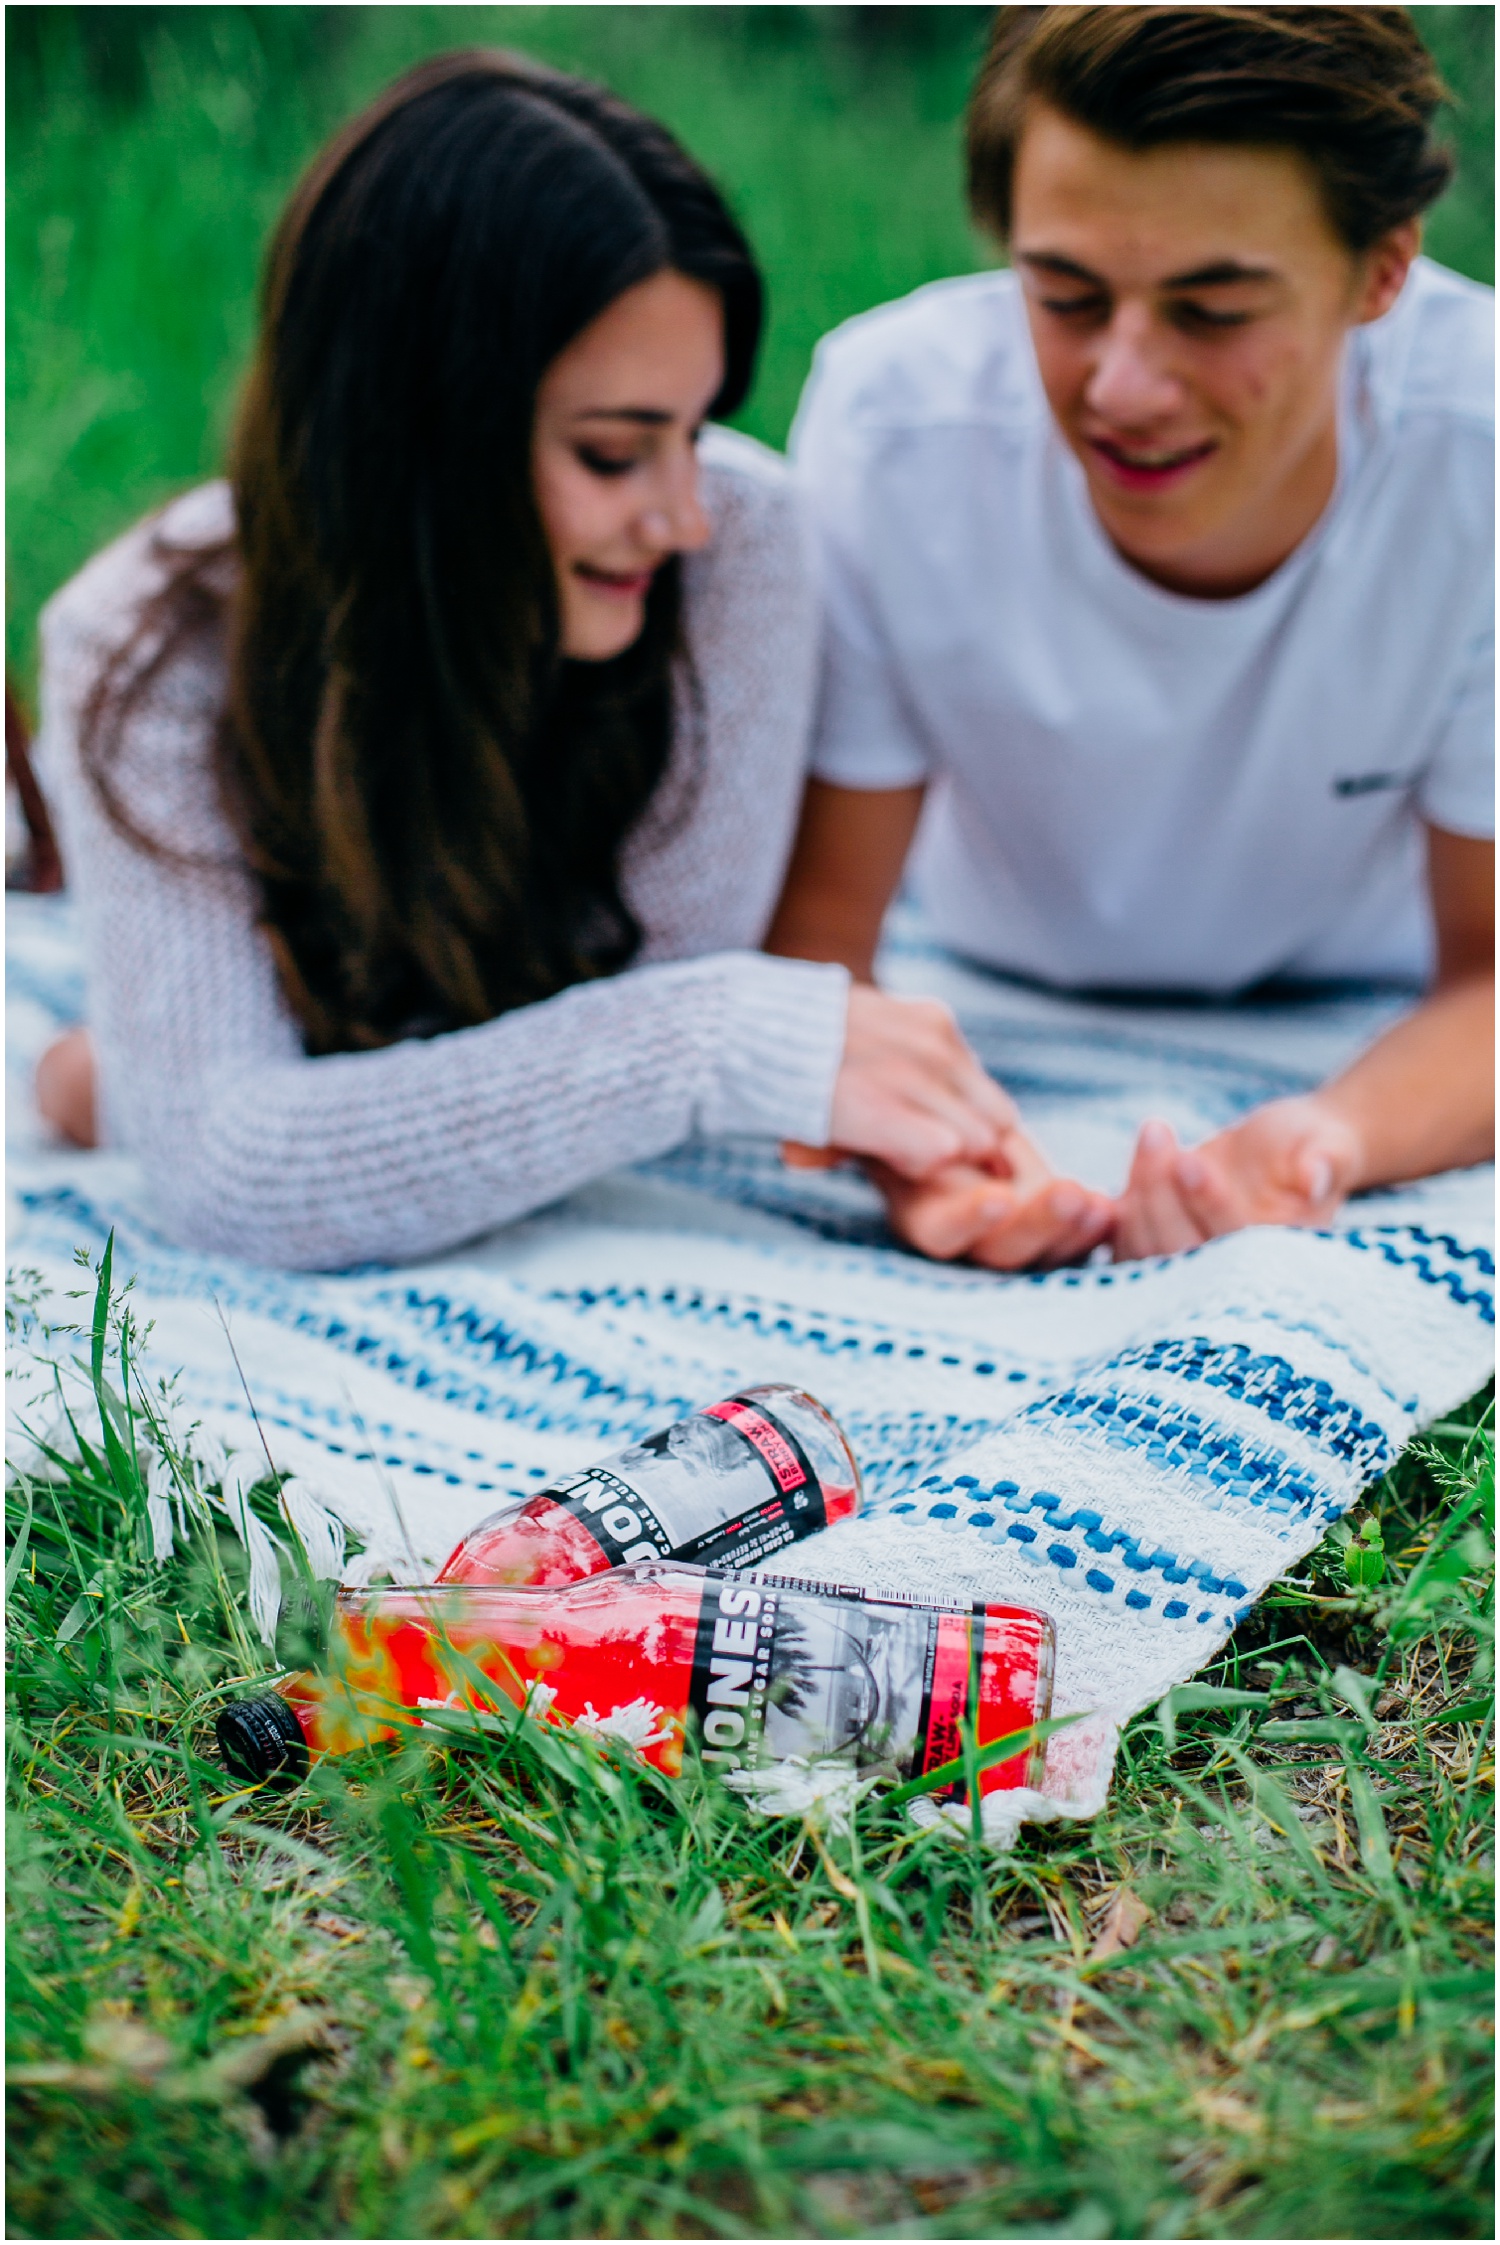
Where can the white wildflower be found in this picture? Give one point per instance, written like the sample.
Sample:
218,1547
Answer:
826,1791
634,1724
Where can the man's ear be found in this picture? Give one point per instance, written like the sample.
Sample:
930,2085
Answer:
1385,267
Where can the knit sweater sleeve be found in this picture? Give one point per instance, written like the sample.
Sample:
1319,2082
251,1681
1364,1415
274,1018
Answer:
253,1148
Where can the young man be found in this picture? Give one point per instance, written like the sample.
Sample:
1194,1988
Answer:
1159,584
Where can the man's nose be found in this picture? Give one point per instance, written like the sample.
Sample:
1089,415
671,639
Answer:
1131,382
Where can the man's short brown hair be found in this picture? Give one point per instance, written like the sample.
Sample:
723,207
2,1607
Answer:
1352,89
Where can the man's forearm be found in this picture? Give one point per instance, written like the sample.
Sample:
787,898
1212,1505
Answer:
1423,1097
851,846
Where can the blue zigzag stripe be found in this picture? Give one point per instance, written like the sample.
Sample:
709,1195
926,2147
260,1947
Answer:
724,1310
1424,1261
1096,1537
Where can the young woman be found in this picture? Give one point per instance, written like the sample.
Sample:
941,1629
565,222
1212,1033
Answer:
481,681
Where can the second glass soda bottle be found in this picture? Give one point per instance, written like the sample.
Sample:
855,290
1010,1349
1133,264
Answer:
727,1487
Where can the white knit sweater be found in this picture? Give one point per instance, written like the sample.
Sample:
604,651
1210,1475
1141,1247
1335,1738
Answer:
251,1147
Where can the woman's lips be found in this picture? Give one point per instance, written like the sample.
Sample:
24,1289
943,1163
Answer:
1148,467
615,584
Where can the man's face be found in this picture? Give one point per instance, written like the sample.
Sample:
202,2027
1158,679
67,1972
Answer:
1189,306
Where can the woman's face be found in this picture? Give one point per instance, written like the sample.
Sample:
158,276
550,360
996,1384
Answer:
613,455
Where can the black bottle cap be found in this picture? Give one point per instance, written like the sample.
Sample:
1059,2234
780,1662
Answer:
262,1738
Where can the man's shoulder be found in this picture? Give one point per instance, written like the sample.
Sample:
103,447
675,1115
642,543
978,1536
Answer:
954,351
1433,356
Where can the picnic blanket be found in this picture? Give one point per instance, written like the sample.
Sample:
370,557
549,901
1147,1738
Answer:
1140,1448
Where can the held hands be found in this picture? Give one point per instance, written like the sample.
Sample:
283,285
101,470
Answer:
943,1142
1291,1162
960,1177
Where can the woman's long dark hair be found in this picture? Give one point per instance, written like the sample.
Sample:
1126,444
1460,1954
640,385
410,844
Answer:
433,800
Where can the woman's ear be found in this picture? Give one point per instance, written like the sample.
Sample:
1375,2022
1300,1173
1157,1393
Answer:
1385,267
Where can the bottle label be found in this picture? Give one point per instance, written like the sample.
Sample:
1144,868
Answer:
729,1484
785,1668
818,1670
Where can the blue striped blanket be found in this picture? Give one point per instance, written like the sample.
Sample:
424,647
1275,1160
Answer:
1139,1449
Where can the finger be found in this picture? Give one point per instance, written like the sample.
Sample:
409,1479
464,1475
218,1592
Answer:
945,1223
950,1078
797,1156
1167,1220
914,1142
1019,1162
1207,1195
1076,1242
1028,1231
1318,1180
978,1134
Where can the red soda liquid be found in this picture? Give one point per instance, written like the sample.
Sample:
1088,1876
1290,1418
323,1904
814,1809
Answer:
755,1668
725,1487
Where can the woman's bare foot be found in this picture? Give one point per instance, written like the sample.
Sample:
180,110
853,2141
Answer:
65,1088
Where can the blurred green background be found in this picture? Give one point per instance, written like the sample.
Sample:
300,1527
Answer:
150,148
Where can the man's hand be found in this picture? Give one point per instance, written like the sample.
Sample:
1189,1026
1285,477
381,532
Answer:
1292,1162
1010,1214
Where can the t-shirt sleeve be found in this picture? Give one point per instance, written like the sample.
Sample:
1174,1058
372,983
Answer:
865,735
1457,788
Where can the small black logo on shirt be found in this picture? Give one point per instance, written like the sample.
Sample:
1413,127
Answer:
1369,783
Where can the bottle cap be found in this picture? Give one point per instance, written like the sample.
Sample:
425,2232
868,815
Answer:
262,1738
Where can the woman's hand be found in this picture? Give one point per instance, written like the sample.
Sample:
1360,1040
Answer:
909,1092
1292,1162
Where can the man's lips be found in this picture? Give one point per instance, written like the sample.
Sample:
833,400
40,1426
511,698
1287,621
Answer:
615,584
1148,467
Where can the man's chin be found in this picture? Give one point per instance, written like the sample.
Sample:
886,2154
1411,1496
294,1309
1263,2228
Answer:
1155,530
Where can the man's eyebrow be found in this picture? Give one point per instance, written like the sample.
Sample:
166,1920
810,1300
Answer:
1066,268
1223,272
641,416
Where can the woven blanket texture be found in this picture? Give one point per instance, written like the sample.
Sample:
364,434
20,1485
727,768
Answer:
1140,1449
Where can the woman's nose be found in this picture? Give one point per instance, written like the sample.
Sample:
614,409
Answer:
675,522
1130,383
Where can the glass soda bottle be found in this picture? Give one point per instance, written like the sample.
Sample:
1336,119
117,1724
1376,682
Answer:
727,1486
753,1668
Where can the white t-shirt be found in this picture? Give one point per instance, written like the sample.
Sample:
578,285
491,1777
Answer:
1133,788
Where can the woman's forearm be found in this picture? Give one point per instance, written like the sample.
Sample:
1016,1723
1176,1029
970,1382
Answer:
1422,1098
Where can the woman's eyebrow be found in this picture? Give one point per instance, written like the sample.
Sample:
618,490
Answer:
641,416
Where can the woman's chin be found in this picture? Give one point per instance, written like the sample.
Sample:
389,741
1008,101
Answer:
598,638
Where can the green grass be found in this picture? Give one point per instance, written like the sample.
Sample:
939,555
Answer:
150,148
533,1990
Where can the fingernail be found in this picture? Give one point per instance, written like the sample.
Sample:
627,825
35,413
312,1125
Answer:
1192,1173
1154,1136
1319,1175
1067,1202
